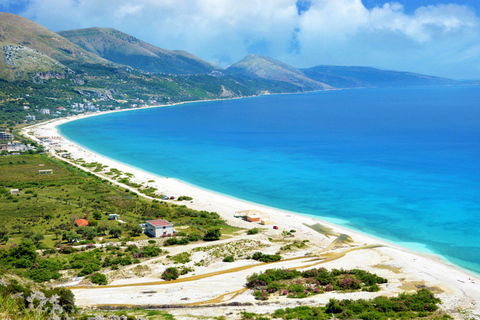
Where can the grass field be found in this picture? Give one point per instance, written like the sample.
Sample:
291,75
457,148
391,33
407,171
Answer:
50,203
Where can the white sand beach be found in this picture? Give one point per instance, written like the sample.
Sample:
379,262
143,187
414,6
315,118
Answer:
406,271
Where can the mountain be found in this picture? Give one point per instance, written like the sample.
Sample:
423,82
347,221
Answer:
356,77
267,68
29,48
122,48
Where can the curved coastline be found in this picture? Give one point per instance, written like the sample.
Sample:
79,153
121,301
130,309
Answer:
336,223
226,205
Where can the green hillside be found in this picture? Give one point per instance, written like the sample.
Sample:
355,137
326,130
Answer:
40,69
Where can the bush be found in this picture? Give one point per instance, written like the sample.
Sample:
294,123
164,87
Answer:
266,257
212,235
228,259
170,273
99,278
252,231
150,251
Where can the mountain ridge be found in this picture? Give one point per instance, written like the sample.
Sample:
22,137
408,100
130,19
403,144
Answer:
361,77
119,47
268,68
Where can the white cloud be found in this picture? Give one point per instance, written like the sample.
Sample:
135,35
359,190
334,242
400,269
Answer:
440,39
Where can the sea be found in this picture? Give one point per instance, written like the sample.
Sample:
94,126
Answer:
402,164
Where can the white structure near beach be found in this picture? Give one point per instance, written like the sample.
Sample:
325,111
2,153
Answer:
159,228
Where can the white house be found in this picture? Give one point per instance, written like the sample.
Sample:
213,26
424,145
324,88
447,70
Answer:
45,111
159,228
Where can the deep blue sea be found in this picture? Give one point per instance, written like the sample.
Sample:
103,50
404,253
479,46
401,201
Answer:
402,164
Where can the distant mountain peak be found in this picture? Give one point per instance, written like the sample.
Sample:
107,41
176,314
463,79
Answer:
255,65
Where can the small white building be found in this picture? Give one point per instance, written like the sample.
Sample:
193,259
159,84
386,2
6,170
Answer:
159,228
30,118
45,111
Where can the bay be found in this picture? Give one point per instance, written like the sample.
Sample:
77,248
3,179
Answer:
400,163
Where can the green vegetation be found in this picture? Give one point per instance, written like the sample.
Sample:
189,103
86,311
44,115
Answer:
32,303
42,217
296,284
297,244
109,87
252,231
99,278
170,273
266,257
182,240
182,258
229,259
186,198
212,235
405,306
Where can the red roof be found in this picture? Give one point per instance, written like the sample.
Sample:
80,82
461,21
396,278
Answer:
81,223
160,223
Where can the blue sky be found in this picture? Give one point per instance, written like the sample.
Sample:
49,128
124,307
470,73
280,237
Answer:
436,37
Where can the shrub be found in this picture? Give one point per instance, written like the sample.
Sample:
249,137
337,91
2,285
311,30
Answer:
99,278
150,251
252,231
212,235
228,259
266,257
170,273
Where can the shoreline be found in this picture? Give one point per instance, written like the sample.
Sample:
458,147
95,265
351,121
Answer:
203,199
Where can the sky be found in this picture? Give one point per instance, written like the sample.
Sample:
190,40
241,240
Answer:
434,37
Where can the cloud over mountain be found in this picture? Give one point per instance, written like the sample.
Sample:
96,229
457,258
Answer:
442,39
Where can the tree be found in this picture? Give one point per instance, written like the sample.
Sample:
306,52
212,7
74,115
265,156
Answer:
136,230
66,298
70,236
24,255
102,227
3,231
115,232
99,278
97,215
212,235
90,233
37,237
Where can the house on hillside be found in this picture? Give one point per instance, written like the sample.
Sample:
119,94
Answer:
159,228
81,223
14,192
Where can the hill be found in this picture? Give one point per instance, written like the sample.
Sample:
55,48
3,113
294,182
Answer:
267,68
29,48
122,48
357,77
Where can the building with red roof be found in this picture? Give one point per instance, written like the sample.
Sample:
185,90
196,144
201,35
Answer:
159,228
81,223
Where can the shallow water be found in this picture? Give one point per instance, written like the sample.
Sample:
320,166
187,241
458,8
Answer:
401,164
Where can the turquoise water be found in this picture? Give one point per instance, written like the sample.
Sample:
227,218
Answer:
401,164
